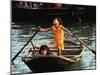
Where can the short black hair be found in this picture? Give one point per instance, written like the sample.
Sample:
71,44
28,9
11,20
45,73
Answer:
44,47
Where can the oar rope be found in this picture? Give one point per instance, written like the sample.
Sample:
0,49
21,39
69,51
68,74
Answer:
25,45
82,42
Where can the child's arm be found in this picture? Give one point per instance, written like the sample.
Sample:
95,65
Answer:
45,30
67,30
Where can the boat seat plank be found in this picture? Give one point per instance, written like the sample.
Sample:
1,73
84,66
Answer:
64,47
77,49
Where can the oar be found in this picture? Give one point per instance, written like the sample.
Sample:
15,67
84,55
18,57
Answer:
25,45
93,51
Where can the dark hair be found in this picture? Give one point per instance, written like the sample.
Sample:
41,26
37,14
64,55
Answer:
60,21
44,47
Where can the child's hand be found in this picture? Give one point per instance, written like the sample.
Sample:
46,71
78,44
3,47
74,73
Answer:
72,34
39,28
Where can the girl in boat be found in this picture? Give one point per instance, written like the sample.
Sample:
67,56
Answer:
58,30
44,50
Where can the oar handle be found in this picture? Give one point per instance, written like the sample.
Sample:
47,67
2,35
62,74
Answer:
25,45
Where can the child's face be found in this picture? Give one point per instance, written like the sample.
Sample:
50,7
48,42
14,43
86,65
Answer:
56,22
44,52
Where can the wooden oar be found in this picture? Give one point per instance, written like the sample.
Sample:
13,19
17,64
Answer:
33,45
25,45
94,51
85,44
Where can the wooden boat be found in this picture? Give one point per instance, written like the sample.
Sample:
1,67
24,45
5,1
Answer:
53,62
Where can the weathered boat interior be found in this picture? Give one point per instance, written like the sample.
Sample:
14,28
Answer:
54,62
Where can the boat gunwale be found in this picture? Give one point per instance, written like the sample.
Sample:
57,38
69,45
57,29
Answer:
65,57
71,58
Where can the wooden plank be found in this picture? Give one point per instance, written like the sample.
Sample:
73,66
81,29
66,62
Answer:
64,47
76,49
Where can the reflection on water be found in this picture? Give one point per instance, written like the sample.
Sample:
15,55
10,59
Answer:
21,33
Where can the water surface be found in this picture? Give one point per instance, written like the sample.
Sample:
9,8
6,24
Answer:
21,33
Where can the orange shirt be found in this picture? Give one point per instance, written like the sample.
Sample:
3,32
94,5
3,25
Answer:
59,37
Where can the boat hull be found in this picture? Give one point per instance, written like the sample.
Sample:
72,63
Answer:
48,64
54,62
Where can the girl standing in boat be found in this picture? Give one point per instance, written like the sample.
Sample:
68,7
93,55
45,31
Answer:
58,30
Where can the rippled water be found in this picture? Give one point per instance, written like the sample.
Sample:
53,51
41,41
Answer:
21,33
